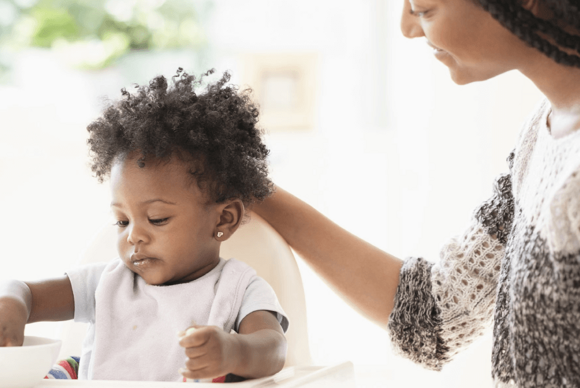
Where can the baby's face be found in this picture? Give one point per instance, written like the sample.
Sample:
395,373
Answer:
165,225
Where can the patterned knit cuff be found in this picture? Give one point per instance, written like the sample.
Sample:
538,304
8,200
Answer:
415,322
497,213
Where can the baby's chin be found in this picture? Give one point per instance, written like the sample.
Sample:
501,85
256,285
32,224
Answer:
162,279
153,280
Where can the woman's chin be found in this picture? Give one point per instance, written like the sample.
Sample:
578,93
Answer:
459,78
463,76
458,74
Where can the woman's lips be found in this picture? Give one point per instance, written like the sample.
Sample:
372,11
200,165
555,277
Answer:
440,54
436,50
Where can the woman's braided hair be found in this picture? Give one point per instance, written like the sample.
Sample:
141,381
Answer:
525,25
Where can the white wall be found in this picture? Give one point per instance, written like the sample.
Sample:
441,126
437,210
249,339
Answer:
400,155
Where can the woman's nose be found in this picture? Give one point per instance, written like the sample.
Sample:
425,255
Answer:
410,25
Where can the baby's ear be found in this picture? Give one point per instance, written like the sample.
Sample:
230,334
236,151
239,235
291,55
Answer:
231,214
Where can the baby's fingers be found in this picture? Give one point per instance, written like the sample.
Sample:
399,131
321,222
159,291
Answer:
11,340
202,373
197,364
6,342
195,352
195,336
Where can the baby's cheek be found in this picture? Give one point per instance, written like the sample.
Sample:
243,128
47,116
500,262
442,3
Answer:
122,247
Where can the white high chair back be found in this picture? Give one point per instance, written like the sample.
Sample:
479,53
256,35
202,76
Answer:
256,244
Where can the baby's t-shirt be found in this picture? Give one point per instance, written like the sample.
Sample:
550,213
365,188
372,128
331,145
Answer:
133,326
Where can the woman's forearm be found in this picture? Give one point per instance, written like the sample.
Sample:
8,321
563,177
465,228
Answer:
362,274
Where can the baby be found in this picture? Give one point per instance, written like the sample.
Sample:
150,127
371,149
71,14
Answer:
183,166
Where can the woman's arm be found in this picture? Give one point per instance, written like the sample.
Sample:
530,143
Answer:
362,274
432,311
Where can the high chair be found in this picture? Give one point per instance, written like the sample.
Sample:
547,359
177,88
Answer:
255,243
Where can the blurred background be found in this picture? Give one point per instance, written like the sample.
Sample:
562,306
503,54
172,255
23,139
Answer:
363,124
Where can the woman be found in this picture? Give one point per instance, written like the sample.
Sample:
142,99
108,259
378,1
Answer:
518,264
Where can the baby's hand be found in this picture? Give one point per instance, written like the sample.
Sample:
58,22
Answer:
12,322
210,351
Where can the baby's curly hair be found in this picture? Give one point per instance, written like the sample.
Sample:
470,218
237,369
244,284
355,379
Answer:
215,131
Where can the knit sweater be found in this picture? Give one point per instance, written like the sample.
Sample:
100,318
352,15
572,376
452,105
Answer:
517,266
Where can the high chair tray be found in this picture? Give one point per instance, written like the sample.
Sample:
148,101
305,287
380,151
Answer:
335,376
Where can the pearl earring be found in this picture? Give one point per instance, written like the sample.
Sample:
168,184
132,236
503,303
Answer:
219,234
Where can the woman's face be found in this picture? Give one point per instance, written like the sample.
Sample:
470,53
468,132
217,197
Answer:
464,37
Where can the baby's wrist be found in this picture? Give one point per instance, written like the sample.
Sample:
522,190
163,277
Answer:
15,295
237,359
14,308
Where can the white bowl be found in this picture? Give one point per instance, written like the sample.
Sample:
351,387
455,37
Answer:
25,366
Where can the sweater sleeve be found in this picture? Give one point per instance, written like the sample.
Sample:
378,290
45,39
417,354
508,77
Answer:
440,308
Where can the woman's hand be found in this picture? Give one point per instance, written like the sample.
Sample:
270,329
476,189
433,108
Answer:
210,351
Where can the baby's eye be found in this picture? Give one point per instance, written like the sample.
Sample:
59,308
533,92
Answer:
121,224
158,221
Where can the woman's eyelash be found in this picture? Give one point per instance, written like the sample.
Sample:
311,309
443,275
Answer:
121,224
418,14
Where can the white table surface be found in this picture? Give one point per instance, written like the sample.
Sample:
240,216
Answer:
335,376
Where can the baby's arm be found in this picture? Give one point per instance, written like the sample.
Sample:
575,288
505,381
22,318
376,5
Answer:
258,350
15,302
21,303
263,345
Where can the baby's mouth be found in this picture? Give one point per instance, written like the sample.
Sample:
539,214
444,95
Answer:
141,261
